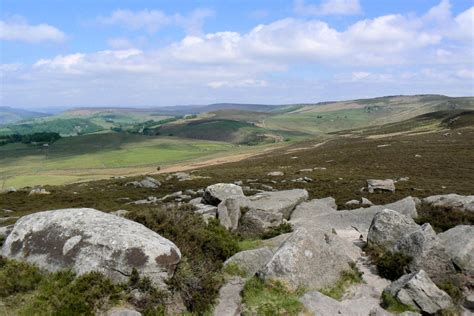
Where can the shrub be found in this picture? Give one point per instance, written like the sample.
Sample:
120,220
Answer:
442,219
17,277
349,277
270,298
452,290
389,265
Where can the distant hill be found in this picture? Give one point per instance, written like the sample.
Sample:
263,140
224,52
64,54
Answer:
10,115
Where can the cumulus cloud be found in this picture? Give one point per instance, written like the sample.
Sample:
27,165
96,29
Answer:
18,29
328,7
288,60
154,20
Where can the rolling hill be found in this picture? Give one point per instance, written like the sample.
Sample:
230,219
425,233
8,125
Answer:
9,115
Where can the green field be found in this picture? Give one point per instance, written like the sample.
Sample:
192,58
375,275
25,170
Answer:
97,156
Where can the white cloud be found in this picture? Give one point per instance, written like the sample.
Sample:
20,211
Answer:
245,83
328,7
18,29
154,20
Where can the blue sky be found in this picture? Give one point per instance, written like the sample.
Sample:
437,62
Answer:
156,53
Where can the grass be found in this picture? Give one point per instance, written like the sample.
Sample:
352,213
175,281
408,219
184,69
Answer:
233,269
248,244
391,304
348,278
270,298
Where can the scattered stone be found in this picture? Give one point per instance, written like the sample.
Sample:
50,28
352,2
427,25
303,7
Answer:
280,201
366,202
39,191
306,259
319,168
251,260
267,187
383,145
275,174
189,192
180,176
419,292
216,193
403,179
8,211
383,185
195,201
352,202
459,244
173,195
9,190
306,170
148,183
451,201
120,213
87,240
239,183
229,300
417,156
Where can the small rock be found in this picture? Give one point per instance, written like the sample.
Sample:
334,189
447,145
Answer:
275,174
366,202
122,311
451,201
8,190
216,193
39,191
120,213
383,185
306,170
352,202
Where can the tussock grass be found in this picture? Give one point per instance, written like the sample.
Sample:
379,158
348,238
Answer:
348,278
391,304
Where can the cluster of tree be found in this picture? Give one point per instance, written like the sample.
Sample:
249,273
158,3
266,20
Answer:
43,137
150,127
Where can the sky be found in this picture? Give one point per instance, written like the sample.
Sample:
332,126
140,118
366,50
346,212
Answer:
61,53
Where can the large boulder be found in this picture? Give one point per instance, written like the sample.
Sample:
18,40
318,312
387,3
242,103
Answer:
427,251
381,185
419,292
259,221
388,227
279,202
229,211
304,259
216,193
87,240
451,201
251,260
459,245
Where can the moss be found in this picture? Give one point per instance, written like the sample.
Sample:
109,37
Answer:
391,304
349,277
390,265
270,298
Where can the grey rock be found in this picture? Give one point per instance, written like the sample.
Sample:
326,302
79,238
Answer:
275,174
322,305
87,240
352,202
228,211
304,259
388,227
39,191
251,260
229,300
216,193
418,291
120,213
180,176
469,302
190,192
451,201
9,190
279,202
195,201
261,220
306,170
382,185
148,182
366,202
459,245
206,209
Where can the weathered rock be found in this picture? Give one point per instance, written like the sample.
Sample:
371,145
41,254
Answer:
148,182
418,291
228,211
259,221
120,213
89,240
322,305
366,202
388,227
251,260
451,201
196,201
469,302
122,311
279,202
306,259
39,191
216,193
427,251
229,300
275,174
459,245
406,206
352,202
181,176
5,231
382,185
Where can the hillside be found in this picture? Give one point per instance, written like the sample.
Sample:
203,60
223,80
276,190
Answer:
10,115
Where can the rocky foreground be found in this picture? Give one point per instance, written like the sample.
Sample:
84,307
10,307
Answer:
323,245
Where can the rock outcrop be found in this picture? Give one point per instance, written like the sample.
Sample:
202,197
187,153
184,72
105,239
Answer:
451,201
216,193
251,260
459,245
419,292
89,240
304,259
278,202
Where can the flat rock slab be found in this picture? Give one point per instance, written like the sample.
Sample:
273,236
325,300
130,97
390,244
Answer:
229,301
87,240
279,202
451,201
